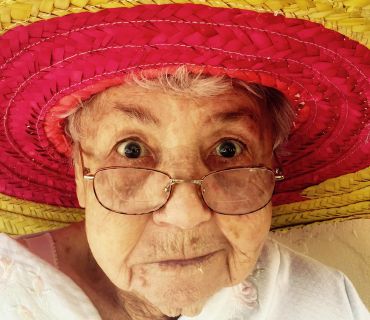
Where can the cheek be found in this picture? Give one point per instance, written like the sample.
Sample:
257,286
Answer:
111,238
246,230
246,235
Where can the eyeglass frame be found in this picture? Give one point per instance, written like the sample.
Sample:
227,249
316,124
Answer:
87,175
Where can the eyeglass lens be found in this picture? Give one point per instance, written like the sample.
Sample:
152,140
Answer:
238,191
138,191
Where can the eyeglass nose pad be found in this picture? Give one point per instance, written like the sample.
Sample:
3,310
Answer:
167,188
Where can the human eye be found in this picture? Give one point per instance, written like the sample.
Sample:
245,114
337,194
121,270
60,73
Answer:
228,152
132,149
229,148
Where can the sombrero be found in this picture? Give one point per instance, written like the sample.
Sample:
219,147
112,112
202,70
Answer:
57,53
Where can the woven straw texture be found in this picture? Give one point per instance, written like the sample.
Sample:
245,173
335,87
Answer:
19,217
345,197
324,74
349,17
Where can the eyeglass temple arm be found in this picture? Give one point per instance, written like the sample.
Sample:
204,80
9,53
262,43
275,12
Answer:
279,174
85,171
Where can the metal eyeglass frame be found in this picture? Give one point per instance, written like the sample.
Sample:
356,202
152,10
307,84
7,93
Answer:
87,175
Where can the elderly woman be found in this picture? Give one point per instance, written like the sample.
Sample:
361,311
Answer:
173,136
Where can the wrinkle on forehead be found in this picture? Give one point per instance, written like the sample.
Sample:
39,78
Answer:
229,109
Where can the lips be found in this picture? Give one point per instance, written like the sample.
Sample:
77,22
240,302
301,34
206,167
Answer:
187,262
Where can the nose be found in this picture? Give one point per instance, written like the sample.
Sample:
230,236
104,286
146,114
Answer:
184,209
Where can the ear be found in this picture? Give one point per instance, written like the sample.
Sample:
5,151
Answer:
80,182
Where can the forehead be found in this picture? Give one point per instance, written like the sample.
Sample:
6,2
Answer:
173,118
155,104
166,119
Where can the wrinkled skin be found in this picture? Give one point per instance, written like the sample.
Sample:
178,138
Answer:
182,143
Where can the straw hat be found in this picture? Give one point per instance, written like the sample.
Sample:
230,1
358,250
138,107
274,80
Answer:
69,50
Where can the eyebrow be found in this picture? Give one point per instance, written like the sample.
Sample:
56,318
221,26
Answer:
138,113
235,115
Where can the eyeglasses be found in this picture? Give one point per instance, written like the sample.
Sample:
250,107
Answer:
136,191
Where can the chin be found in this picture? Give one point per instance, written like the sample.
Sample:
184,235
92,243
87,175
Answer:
190,311
178,288
187,299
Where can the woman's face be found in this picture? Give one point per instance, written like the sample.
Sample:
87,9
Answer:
154,256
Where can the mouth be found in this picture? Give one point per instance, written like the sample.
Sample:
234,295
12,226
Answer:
186,262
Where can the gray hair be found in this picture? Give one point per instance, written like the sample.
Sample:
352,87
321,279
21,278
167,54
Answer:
196,85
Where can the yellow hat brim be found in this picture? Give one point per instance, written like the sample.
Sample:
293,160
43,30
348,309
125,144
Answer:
349,17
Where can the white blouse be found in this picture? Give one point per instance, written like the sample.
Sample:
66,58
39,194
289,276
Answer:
284,286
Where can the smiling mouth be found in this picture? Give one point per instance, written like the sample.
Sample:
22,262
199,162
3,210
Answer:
186,262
